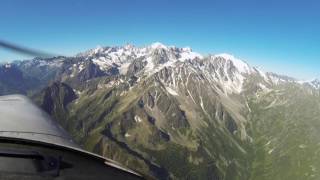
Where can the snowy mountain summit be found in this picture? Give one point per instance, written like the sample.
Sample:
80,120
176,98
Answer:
224,68
169,55
226,73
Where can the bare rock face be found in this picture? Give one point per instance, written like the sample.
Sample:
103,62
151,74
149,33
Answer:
55,98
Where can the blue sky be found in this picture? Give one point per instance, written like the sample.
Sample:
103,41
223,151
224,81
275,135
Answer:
282,36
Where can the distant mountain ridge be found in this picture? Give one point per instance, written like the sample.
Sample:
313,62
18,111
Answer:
173,113
117,60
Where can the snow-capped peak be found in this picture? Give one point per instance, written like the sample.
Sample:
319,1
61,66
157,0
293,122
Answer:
158,56
157,45
187,54
128,46
242,66
188,49
7,65
98,49
314,83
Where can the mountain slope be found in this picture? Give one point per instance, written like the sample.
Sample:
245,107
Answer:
172,113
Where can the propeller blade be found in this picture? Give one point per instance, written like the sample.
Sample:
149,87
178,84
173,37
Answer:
23,50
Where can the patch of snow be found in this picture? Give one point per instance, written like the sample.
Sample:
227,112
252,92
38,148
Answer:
315,83
77,91
273,103
7,65
202,106
129,46
274,79
137,119
263,87
302,146
267,143
124,68
230,80
277,79
157,45
239,64
189,55
263,74
98,49
171,91
191,96
150,65
270,151
187,49
248,106
233,86
201,103
81,67
102,63
314,169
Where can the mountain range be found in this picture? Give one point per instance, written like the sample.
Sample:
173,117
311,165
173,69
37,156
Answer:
171,113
